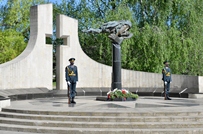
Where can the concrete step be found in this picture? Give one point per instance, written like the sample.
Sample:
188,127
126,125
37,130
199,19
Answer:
59,130
15,132
116,114
101,125
102,118
78,122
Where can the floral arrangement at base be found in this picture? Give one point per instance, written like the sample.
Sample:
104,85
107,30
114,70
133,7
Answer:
123,95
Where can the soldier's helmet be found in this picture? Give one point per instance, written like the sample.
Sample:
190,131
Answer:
72,59
166,62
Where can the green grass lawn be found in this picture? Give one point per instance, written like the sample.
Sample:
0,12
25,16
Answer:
54,84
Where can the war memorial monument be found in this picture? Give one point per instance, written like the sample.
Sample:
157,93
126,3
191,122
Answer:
30,105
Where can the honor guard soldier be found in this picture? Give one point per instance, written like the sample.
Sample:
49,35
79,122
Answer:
166,72
71,74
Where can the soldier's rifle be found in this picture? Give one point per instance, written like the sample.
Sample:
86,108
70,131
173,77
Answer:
68,93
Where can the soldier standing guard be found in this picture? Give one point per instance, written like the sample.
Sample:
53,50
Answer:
166,72
71,73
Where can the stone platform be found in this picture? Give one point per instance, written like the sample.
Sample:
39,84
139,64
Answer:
146,115
89,103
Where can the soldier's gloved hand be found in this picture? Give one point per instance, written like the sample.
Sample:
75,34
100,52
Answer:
165,83
68,82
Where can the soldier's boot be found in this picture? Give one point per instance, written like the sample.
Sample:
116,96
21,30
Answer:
73,101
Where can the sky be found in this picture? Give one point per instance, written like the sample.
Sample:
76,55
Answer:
59,1
52,1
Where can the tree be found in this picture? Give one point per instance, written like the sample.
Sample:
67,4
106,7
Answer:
162,29
11,45
14,27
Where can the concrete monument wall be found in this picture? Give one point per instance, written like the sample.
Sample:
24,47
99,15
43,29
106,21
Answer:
96,76
33,68
91,74
200,83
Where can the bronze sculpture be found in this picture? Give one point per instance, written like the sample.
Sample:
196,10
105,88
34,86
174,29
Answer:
118,30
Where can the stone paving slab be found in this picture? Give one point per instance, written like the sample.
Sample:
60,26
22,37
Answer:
13,132
89,103
143,105
59,130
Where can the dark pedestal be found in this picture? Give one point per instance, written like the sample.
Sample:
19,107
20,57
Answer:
116,67
103,98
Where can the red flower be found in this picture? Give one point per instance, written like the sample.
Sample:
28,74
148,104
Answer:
123,92
109,96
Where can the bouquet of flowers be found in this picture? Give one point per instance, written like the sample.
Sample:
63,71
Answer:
122,94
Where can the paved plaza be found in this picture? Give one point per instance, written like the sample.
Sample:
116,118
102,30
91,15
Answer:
151,110
90,104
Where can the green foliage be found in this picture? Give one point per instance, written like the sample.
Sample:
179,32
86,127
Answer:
11,45
117,93
14,27
16,15
162,29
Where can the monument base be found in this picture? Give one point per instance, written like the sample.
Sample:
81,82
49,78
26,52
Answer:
103,98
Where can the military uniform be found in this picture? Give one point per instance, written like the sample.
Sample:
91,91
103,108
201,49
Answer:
166,72
71,74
